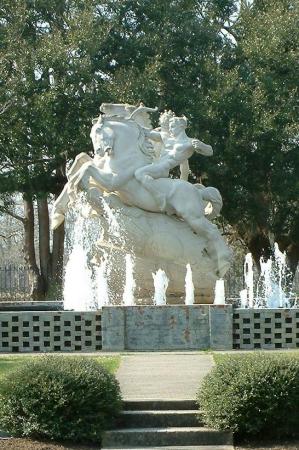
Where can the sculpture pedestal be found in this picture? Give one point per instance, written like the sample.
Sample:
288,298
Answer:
155,241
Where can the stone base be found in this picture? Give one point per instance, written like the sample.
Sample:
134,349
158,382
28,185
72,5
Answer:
154,241
31,306
169,327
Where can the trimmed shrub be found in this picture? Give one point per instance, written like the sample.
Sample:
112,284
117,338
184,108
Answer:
252,394
59,397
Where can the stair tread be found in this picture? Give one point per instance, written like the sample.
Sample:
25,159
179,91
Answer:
159,400
178,447
158,404
163,429
162,411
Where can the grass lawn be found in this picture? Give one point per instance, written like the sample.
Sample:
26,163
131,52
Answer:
9,363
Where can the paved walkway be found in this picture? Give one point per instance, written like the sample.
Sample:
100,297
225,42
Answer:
173,376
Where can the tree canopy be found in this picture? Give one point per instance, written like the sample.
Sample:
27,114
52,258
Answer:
254,113
230,66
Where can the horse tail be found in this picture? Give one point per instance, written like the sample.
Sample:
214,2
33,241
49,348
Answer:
213,198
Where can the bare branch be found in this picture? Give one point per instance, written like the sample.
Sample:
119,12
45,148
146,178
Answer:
4,107
229,31
9,236
5,210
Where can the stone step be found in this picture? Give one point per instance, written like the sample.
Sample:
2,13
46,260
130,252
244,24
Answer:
162,418
157,405
180,447
148,437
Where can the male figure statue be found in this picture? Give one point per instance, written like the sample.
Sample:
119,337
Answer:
178,148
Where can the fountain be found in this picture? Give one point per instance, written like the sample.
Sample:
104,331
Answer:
160,284
189,286
128,297
101,285
272,288
143,260
155,236
219,293
130,218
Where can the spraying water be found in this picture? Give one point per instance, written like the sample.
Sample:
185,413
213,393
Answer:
189,286
248,277
85,283
114,228
280,259
77,292
160,284
243,298
101,284
219,293
128,296
271,286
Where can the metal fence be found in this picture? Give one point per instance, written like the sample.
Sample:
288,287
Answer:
14,280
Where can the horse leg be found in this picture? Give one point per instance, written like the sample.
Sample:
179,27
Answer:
59,207
160,198
80,159
189,205
106,180
216,247
147,175
67,194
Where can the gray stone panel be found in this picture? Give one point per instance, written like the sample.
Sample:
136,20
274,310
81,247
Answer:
113,328
167,327
221,327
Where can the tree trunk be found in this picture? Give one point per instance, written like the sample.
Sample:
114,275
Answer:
292,253
260,247
36,281
57,259
51,264
44,241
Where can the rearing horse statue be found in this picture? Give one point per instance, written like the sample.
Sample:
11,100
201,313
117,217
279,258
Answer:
121,146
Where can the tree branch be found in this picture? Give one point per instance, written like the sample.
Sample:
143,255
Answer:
9,236
11,213
229,31
4,107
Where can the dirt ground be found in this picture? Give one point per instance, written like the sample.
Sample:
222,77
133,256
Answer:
28,444
282,445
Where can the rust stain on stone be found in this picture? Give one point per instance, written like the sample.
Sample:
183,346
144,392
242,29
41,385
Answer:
187,334
172,321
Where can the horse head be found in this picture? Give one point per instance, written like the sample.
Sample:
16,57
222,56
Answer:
102,137
113,136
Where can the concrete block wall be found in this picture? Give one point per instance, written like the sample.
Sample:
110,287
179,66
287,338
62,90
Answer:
265,328
51,331
137,328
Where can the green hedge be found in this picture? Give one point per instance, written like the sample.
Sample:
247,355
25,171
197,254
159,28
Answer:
252,394
59,397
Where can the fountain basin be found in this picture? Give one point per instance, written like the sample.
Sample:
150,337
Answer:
166,327
150,328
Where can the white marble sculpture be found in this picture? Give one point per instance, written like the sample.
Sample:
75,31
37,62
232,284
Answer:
131,163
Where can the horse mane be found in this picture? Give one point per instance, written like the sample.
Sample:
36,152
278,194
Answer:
142,139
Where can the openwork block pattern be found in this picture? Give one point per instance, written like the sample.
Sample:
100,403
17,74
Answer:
265,328
50,331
